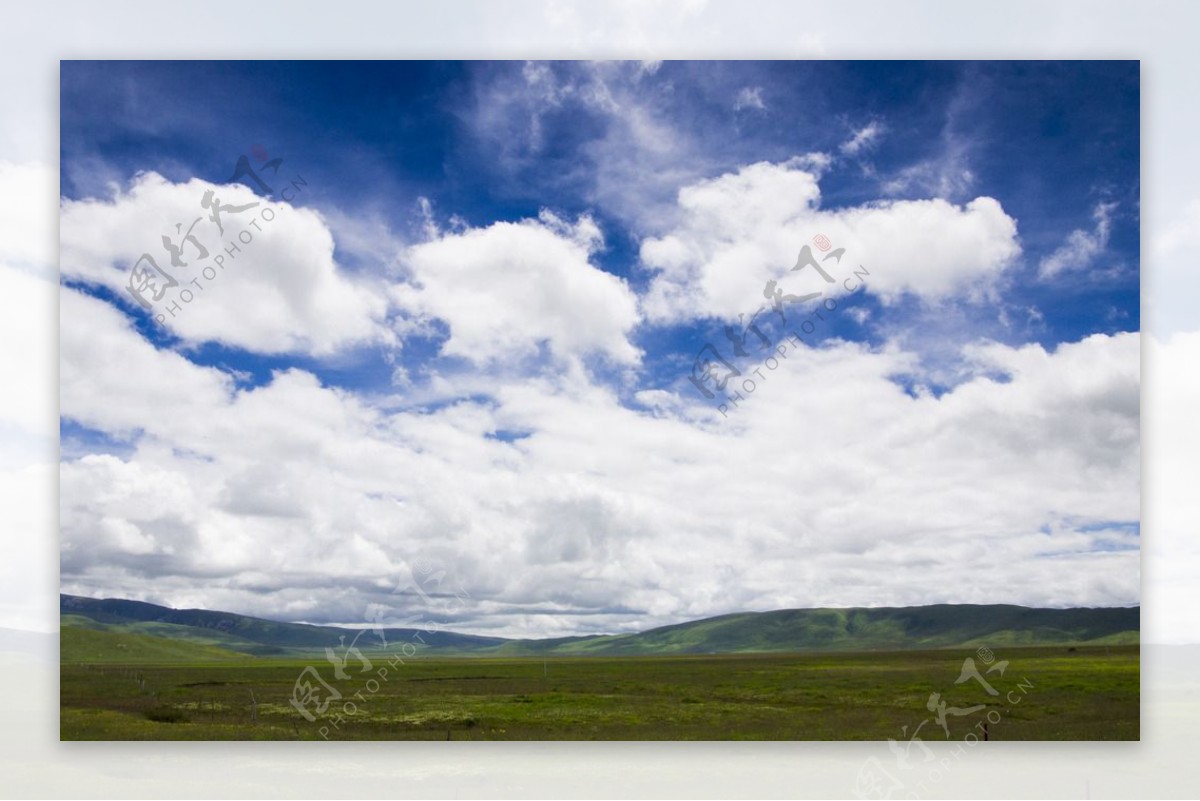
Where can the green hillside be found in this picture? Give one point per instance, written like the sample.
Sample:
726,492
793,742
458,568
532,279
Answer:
87,645
783,631
242,632
176,631
940,626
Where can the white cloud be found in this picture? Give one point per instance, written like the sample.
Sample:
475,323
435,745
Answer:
302,501
946,176
282,291
1081,247
509,288
862,139
559,507
632,154
945,171
113,380
749,97
745,228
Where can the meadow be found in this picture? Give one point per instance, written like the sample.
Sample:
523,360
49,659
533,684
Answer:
1044,693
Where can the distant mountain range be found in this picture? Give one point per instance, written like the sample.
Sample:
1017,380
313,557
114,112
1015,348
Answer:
115,629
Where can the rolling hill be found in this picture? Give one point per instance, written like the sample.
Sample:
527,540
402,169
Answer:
91,646
239,632
216,635
857,629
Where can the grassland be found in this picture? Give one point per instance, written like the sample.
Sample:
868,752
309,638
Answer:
200,692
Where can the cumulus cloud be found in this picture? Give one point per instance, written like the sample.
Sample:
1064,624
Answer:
561,500
280,291
742,229
113,380
559,509
1081,247
508,289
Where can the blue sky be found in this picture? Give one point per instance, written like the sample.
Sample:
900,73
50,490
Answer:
502,272
1050,141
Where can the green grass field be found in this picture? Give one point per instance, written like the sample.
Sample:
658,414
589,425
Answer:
122,689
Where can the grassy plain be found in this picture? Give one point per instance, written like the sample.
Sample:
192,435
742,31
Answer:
121,689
